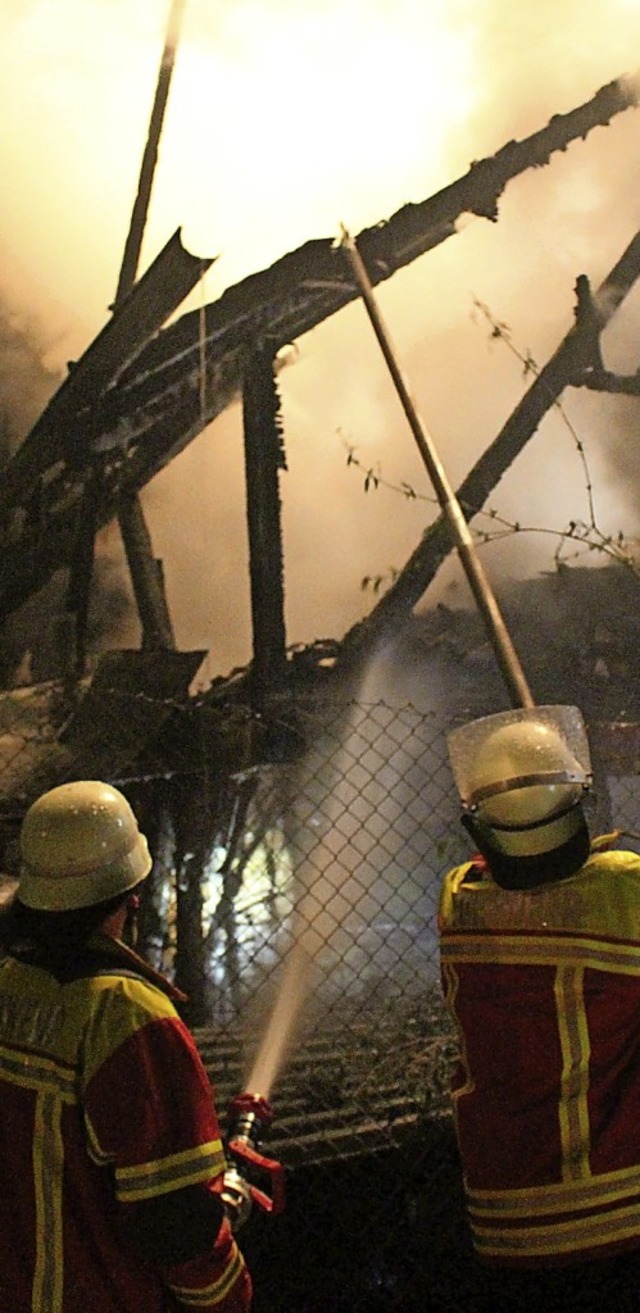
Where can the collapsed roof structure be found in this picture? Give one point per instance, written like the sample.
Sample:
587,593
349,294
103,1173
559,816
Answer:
142,392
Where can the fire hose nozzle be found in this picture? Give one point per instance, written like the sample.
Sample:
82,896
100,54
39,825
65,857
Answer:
249,1115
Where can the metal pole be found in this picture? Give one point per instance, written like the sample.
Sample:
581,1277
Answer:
506,654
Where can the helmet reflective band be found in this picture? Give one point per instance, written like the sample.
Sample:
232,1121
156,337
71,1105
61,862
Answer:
80,845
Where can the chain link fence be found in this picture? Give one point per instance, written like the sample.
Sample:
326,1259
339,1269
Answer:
298,863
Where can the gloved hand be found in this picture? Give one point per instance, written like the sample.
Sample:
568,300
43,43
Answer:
236,1197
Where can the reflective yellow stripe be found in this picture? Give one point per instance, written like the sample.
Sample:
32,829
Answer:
560,1197
548,950
560,1237
33,1072
573,1110
165,1174
215,1293
48,1157
451,983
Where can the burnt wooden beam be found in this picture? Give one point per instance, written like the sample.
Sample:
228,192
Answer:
146,578
309,285
264,458
146,573
65,431
79,585
141,404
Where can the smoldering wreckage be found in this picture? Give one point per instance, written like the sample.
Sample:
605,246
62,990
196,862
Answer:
194,764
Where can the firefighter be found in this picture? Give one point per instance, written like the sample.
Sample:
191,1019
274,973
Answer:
110,1152
540,955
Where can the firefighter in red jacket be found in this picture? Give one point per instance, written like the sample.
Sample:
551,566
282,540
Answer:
110,1152
540,954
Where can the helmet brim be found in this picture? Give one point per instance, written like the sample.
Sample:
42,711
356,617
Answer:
85,890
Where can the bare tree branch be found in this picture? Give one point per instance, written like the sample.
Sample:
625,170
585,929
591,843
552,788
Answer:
565,368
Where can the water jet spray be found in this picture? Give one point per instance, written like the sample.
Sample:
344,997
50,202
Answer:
279,1029
324,904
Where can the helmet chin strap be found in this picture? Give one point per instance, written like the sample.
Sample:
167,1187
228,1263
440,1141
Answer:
132,908
478,832
122,924
527,872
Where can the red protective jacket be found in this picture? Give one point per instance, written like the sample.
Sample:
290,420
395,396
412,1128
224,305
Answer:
544,986
110,1151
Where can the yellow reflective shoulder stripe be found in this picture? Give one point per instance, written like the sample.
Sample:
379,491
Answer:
119,1007
601,898
218,1290
188,1167
38,1013
48,1157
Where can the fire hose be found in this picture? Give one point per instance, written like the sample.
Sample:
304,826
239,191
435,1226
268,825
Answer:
250,1115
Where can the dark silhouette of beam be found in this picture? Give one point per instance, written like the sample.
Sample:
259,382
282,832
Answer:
141,405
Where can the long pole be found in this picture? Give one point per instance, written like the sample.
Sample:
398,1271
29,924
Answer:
506,654
133,244
157,630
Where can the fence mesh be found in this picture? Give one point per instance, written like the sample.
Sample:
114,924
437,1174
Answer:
296,878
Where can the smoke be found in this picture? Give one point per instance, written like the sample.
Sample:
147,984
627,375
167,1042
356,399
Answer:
26,381
283,121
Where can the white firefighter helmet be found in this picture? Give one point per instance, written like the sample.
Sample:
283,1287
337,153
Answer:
523,774
80,845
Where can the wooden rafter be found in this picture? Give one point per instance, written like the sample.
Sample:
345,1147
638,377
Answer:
146,409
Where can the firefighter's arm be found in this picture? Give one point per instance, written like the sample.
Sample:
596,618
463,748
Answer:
186,1237
150,1119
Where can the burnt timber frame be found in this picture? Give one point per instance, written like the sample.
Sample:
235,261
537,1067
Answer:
264,458
135,397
